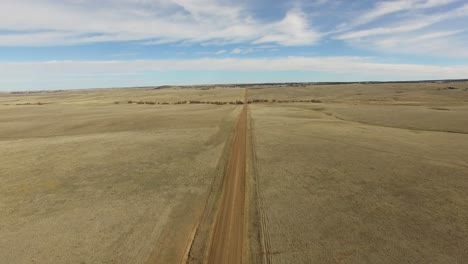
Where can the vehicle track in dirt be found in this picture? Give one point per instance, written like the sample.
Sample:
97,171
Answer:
233,226
228,236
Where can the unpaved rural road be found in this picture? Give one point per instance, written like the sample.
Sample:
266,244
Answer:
228,236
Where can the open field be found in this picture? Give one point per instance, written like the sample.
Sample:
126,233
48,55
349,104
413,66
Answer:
389,93
85,181
360,173
123,95
355,181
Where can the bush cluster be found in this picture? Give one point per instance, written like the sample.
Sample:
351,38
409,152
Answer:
238,102
38,103
253,101
186,102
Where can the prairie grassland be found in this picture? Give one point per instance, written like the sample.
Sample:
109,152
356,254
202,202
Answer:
83,180
123,95
355,181
374,173
386,93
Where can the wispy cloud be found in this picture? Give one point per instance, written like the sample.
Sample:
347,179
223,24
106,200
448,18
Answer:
293,30
422,34
126,54
73,22
344,65
237,51
440,44
407,25
219,52
385,8
235,36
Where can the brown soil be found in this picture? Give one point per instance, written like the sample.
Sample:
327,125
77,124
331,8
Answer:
228,236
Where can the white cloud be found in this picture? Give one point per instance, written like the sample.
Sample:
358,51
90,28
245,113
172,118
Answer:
293,30
393,42
439,34
236,51
438,44
341,65
219,52
408,25
385,30
66,22
385,8
416,26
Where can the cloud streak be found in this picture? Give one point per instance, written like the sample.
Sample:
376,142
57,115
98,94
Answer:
385,8
438,34
247,37
67,22
408,25
341,65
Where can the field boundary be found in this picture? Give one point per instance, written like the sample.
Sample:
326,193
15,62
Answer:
261,227
197,250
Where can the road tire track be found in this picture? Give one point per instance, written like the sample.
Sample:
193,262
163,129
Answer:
227,245
200,243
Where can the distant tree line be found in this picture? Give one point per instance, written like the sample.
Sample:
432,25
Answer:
237,102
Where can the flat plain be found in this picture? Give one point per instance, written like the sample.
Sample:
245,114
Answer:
84,180
373,174
361,173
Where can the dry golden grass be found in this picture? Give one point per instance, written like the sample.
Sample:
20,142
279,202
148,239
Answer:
352,181
88,181
388,93
105,96
372,174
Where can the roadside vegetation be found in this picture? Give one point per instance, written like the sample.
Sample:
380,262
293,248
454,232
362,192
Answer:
237,102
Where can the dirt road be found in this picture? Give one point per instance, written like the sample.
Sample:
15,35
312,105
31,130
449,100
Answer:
228,236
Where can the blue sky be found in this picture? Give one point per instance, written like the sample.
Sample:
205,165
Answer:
60,44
